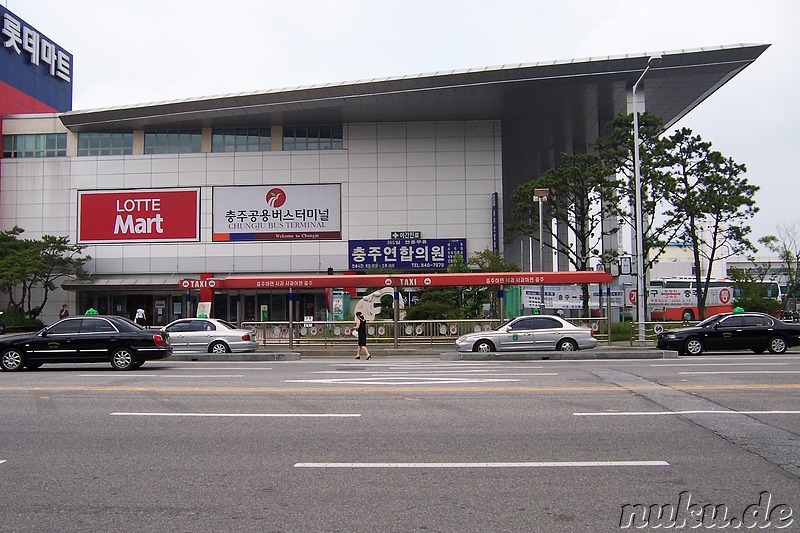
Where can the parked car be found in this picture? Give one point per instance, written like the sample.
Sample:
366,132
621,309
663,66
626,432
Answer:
758,332
209,335
85,339
535,332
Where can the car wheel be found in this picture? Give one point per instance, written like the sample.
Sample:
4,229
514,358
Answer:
12,360
777,345
693,346
218,347
123,359
567,345
483,346
688,315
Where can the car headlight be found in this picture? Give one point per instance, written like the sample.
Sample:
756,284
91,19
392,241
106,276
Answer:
461,339
670,336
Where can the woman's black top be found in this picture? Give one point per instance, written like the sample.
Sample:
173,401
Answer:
362,332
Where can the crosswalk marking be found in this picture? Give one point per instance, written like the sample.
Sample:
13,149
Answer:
526,464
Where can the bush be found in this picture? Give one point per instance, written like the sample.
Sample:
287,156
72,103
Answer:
429,310
16,321
761,305
620,331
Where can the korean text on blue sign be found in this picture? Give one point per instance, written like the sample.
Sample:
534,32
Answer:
406,254
22,39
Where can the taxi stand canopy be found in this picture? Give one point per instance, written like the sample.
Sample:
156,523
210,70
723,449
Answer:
398,281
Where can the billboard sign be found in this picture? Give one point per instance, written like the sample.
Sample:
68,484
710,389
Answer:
277,212
406,254
139,215
32,65
569,297
410,280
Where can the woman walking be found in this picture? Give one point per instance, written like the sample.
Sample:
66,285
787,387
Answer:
361,327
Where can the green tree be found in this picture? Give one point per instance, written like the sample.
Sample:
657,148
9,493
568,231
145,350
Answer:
712,202
749,291
28,264
578,188
490,261
786,245
449,302
658,228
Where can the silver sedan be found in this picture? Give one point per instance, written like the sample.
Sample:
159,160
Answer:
210,335
536,332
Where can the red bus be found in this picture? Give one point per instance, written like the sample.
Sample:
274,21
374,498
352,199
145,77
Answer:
676,298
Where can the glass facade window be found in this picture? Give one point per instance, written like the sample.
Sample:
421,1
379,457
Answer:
173,142
35,145
241,140
105,143
313,137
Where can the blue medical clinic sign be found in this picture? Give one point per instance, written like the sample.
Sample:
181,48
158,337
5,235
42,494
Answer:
34,65
406,254
495,225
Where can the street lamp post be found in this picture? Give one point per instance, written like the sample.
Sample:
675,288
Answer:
653,61
540,195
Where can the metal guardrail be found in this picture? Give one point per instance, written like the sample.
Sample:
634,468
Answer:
433,332
651,331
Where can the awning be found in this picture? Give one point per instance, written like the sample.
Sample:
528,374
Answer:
128,283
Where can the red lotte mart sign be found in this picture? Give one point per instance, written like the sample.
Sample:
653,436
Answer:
412,280
139,215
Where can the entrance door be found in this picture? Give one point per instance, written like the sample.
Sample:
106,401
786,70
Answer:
141,301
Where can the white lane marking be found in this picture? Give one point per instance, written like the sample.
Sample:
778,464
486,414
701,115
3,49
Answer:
2,461
713,357
545,464
741,372
434,373
394,381
722,364
248,415
482,366
698,412
239,368
148,375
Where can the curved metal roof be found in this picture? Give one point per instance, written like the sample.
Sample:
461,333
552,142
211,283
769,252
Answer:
566,95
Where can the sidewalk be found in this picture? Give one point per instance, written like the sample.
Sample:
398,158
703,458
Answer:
445,352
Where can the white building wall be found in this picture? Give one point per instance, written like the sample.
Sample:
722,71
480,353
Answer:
435,178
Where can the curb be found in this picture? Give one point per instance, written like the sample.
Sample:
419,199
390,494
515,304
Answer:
594,354
561,356
252,356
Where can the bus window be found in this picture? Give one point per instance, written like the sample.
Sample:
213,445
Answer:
677,284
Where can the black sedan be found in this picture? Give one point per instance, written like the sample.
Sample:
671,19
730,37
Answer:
732,331
85,339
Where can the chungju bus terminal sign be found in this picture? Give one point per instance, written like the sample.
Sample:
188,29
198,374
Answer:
277,213
406,254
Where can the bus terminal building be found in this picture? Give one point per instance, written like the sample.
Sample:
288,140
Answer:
400,173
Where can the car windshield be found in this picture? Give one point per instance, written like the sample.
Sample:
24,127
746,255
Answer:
504,324
126,324
709,321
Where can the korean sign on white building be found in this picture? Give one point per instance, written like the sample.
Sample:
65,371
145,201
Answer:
139,215
23,40
277,212
406,254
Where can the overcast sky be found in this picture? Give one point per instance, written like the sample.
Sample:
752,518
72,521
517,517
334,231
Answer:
136,51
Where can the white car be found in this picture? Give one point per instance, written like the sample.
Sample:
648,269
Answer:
535,332
210,335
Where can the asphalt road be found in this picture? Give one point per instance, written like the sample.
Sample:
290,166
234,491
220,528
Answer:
401,444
